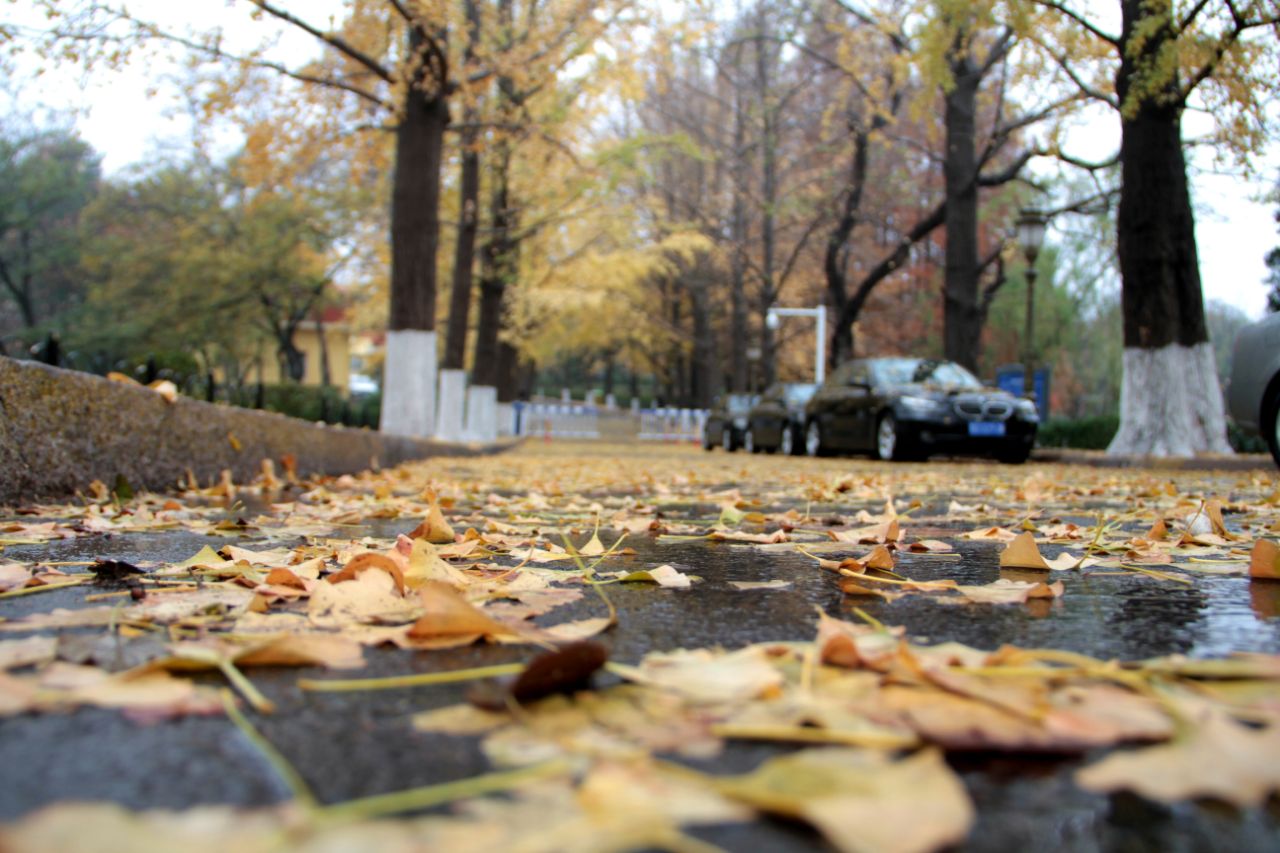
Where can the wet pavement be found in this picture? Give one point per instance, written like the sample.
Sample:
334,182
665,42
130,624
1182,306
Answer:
356,745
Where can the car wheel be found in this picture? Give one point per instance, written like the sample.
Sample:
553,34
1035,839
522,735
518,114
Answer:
726,440
888,443
1271,422
707,444
787,444
749,441
813,444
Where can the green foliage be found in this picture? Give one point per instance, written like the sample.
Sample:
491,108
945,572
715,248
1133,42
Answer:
1093,433
312,403
1077,320
1245,442
183,259
46,180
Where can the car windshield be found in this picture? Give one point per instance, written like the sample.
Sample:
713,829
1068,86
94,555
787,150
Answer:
739,404
907,371
799,393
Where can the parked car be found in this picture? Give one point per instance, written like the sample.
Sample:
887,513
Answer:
909,408
726,423
776,421
1253,397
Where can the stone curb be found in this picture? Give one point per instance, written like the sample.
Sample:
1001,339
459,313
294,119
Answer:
1099,459
61,429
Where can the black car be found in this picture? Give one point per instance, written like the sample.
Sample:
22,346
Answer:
776,422
908,408
726,423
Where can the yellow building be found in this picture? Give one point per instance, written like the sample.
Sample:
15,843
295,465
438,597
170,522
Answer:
327,339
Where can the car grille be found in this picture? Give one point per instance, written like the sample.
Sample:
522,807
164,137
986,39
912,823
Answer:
983,409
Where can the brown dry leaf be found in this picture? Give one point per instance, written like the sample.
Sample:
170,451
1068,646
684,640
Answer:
878,534
371,598
936,546
284,577
1072,720
863,800
434,528
855,646
995,534
366,561
327,650
1217,758
1022,553
449,620
879,558
1264,560
1004,591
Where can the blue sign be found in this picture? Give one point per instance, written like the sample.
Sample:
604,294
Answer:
1009,378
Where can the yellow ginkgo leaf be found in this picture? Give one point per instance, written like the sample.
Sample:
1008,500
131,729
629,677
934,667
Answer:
1022,553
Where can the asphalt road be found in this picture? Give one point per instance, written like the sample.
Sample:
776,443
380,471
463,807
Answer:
355,745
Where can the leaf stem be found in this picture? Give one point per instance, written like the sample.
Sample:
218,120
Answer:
433,795
395,682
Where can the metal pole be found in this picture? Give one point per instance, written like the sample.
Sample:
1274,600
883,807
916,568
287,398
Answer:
820,349
1028,368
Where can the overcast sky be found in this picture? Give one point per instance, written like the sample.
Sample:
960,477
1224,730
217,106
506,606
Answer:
1235,224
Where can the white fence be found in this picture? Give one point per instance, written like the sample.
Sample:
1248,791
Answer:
569,420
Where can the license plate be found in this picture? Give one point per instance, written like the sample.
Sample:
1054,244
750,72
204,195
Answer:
986,429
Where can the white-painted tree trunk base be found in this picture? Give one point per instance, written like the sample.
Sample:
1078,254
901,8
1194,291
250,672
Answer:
482,413
1170,403
409,384
452,402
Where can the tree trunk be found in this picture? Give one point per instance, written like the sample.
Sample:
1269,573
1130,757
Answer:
1170,401
455,343
415,204
738,261
498,268
962,313
765,56
409,375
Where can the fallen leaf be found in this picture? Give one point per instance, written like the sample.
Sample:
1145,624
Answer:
434,528
366,561
862,800
1022,553
1264,560
1217,758
666,576
448,619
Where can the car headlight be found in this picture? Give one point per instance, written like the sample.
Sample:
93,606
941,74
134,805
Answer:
921,407
1027,410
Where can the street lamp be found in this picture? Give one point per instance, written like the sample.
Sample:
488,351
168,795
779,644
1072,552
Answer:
1031,227
772,320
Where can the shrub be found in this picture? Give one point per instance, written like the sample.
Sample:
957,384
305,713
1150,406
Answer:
1082,434
313,403
1096,433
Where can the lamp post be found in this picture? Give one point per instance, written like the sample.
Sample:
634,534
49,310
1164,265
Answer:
1031,227
772,320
